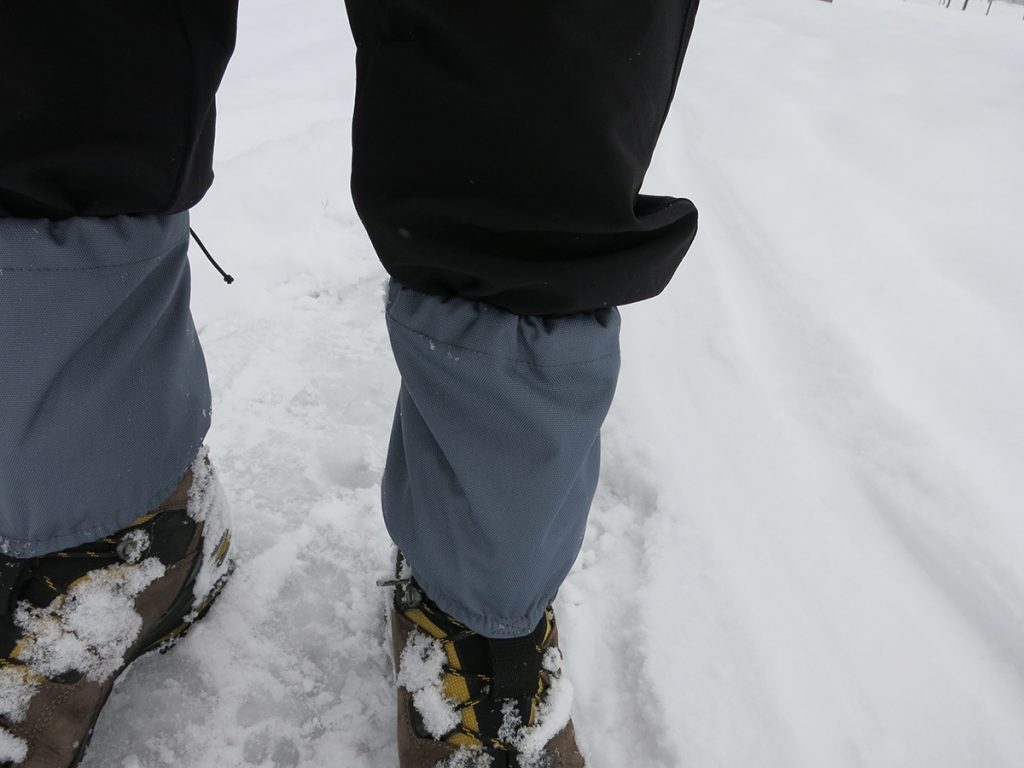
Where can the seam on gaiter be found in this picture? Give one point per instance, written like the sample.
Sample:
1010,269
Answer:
37,547
160,255
494,627
493,356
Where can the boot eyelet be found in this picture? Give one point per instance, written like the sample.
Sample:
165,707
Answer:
409,597
134,546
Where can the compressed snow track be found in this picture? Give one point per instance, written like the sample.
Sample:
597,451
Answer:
806,548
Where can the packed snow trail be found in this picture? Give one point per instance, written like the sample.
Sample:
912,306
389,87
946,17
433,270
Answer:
806,547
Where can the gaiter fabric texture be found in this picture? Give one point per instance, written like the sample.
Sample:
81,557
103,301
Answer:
495,450
105,396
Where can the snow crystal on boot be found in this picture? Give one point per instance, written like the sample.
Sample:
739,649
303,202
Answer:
421,672
511,722
207,504
134,545
467,758
12,749
91,627
16,691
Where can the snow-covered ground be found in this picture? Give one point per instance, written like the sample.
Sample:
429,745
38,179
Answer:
808,546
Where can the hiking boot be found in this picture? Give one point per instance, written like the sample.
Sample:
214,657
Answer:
467,701
73,621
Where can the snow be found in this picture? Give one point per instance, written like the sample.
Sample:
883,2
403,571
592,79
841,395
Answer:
511,721
553,714
16,691
90,627
207,505
11,747
133,545
421,673
467,758
806,547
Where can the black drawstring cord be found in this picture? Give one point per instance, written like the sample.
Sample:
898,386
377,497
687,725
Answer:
227,278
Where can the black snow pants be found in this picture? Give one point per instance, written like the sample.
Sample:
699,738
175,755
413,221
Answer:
499,146
499,151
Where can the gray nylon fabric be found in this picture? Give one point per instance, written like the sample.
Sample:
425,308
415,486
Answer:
104,396
495,451
494,455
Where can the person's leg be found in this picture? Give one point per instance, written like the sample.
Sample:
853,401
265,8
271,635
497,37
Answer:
499,150
113,537
111,544
495,451
105,396
106,140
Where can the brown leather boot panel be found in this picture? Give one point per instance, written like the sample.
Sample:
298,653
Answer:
566,752
59,719
179,497
155,600
60,716
413,751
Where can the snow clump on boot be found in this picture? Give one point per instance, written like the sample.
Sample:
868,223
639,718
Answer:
207,504
91,627
467,758
421,674
553,715
12,749
16,691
